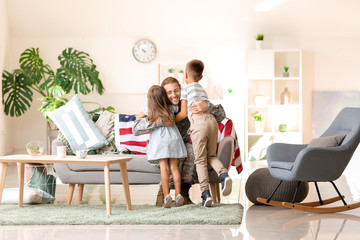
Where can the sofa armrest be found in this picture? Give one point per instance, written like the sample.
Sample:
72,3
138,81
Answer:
226,151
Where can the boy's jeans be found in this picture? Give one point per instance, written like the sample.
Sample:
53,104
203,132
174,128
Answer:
204,135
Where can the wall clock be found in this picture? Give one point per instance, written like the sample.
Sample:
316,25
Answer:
144,51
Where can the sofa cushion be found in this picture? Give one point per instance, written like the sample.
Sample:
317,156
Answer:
329,141
139,163
74,122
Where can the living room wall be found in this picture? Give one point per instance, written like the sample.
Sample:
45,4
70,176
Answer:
219,33
4,35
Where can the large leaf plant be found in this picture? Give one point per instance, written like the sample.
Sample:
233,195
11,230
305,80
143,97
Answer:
77,72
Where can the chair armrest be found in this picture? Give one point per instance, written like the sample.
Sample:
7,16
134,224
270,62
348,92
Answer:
283,152
226,151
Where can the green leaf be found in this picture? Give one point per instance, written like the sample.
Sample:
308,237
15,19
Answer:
16,95
51,103
78,72
32,65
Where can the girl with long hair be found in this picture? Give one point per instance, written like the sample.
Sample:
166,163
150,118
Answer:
165,145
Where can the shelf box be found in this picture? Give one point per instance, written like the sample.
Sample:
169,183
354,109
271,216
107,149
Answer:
290,59
268,121
293,88
261,64
290,118
259,88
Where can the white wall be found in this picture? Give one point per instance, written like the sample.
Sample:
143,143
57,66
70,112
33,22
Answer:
4,35
218,32
108,29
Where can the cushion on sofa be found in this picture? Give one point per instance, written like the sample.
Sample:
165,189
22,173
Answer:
329,141
74,122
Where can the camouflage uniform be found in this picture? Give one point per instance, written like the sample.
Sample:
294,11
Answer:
186,165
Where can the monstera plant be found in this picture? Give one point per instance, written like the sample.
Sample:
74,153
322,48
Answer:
77,72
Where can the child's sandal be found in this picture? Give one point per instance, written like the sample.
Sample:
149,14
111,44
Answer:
179,200
167,201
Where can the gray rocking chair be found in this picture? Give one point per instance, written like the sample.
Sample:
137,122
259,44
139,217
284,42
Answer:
291,162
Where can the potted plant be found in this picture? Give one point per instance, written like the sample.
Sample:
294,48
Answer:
259,120
77,72
286,73
259,40
171,72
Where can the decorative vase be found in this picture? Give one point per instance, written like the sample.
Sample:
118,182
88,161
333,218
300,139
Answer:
283,127
259,126
285,97
285,74
259,44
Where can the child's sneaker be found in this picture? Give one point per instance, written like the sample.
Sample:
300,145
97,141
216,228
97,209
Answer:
226,184
179,200
167,201
206,198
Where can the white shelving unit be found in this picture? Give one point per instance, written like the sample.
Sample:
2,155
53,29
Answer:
265,78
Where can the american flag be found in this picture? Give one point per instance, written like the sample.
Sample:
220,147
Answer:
124,138
226,128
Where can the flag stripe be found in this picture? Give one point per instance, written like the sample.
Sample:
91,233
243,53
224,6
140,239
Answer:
226,128
124,137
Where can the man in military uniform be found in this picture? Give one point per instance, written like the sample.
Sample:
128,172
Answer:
186,166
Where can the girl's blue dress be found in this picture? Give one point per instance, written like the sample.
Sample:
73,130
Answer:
165,142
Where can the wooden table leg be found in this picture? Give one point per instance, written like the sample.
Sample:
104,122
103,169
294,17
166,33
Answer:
107,188
3,167
70,193
81,191
125,180
21,183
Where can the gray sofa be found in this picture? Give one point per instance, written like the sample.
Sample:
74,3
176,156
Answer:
139,170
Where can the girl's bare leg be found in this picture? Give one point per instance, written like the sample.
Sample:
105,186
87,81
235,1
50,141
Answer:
164,171
173,162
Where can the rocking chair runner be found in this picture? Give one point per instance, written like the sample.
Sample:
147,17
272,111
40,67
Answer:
291,162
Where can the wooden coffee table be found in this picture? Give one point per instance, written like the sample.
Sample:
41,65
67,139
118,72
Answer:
21,159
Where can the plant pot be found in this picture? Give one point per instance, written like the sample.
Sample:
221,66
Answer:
259,126
283,127
259,44
285,74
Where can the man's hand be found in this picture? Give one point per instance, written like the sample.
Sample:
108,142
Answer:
199,107
168,122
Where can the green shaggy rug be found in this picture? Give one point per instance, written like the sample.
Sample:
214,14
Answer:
195,214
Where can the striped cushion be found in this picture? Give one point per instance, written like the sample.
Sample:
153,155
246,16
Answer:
124,138
74,122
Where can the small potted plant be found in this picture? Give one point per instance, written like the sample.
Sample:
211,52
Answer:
282,127
171,72
259,119
259,40
286,73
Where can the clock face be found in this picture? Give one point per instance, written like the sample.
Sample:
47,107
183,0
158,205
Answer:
144,51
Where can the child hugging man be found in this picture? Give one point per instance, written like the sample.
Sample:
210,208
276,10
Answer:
203,132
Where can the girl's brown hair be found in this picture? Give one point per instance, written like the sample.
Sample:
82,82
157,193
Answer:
159,105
